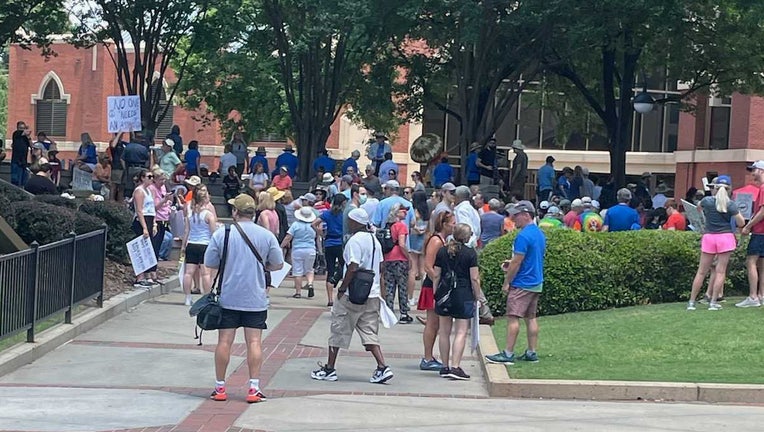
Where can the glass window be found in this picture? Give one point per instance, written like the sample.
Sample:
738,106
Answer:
720,128
651,130
672,127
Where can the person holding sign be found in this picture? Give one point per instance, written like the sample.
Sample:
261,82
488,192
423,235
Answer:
144,223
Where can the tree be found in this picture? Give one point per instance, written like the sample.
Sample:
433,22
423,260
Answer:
37,19
470,60
601,47
142,37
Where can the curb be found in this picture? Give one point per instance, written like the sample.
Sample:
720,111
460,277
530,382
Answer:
500,384
50,339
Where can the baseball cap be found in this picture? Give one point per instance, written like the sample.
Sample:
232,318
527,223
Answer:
39,146
523,206
169,143
359,215
448,186
723,180
564,202
595,204
553,210
577,203
392,184
586,200
759,164
308,197
544,205
347,179
242,202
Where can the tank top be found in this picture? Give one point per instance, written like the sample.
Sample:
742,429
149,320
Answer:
198,229
427,282
148,202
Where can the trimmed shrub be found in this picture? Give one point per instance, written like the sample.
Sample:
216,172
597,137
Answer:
119,220
13,193
85,223
58,200
597,271
7,212
43,223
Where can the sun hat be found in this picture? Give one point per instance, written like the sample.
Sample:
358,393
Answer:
194,181
327,179
305,214
359,215
275,193
518,144
243,202
260,150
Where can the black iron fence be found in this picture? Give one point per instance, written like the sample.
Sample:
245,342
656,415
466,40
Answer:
43,281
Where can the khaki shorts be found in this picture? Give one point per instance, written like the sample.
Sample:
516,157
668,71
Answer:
522,303
347,317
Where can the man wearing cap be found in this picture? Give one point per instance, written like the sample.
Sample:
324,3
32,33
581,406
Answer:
552,218
755,253
243,299
576,208
259,156
546,180
443,173
445,204
621,217
387,166
392,190
523,283
486,162
289,160
473,172
519,172
362,253
351,162
169,160
588,220
377,151
283,181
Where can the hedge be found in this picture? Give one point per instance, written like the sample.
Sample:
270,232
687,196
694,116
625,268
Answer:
594,271
43,223
119,220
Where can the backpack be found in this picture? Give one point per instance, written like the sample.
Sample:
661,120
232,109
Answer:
385,237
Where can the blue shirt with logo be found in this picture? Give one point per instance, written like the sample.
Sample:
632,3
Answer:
531,243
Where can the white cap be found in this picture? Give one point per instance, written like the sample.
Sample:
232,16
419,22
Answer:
544,205
392,184
595,204
359,215
577,203
448,186
168,142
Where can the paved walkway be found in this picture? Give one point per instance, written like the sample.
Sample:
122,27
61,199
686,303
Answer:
142,371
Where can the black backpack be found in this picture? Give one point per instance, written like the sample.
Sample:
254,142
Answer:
385,237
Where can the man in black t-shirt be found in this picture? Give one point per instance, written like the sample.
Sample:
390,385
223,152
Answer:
20,153
486,162
40,183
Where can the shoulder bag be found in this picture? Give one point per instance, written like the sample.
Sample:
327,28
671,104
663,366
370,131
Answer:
254,251
360,287
207,310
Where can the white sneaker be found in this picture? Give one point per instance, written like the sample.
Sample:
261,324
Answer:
749,302
690,306
188,300
714,306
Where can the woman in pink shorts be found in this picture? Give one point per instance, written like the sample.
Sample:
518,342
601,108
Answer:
720,213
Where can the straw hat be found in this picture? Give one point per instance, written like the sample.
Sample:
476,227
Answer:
275,193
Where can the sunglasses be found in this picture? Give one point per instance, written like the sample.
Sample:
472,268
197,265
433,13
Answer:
151,176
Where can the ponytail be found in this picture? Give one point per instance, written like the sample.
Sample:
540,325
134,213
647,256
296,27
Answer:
722,199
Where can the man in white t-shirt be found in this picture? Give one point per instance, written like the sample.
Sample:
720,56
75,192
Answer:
227,160
362,251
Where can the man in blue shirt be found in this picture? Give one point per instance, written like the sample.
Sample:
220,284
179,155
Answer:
289,160
377,151
387,166
136,157
621,217
324,161
443,173
473,172
392,191
351,162
523,284
546,180
563,182
259,157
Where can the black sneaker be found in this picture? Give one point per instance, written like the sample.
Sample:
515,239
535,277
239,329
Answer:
311,292
406,319
458,374
324,374
444,371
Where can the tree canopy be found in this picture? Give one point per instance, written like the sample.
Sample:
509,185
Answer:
28,22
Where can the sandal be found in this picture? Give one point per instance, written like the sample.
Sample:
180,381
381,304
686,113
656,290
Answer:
297,296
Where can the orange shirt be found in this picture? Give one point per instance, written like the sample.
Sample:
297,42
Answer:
508,224
676,221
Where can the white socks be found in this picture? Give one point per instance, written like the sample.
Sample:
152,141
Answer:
254,383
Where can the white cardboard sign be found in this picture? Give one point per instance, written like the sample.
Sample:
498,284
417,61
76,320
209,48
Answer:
124,113
141,254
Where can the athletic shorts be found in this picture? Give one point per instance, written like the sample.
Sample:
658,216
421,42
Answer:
713,243
195,253
756,245
347,317
522,303
235,318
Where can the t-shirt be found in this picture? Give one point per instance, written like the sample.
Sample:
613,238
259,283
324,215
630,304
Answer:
575,188
550,222
40,185
676,221
620,218
20,148
716,222
570,219
473,173
270,219
135,154
304,236
326,162
531,243
487,157
168,162
442,173
386,205
546,177
590,222
244,278
397,253
364,249
282,182
759,201
192,157
258,179
239,149
465,259
333,228
232,184
491,224
90,152
226,161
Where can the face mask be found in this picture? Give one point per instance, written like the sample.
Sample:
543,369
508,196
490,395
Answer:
362,198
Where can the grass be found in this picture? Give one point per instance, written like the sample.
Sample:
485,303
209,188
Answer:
39,328
646,343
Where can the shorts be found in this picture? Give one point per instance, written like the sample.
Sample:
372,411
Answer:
347,317
756,245
522,303
416,243
712,243
195,253
302,261
462,304
233,319
426,298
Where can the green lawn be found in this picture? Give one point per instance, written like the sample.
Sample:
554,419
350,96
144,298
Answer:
647,343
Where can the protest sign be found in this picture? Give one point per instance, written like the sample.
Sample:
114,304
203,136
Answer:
745,204
694,216
124,113
141,254
82,180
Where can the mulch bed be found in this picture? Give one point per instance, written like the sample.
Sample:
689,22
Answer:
119,278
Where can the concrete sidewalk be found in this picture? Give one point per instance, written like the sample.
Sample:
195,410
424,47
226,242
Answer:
142,371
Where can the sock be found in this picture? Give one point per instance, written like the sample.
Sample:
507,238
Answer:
509,353
254,383
219,384
530,351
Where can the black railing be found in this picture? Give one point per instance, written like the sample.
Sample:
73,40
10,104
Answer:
47,280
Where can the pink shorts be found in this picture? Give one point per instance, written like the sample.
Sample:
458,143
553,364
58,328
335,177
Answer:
718,243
